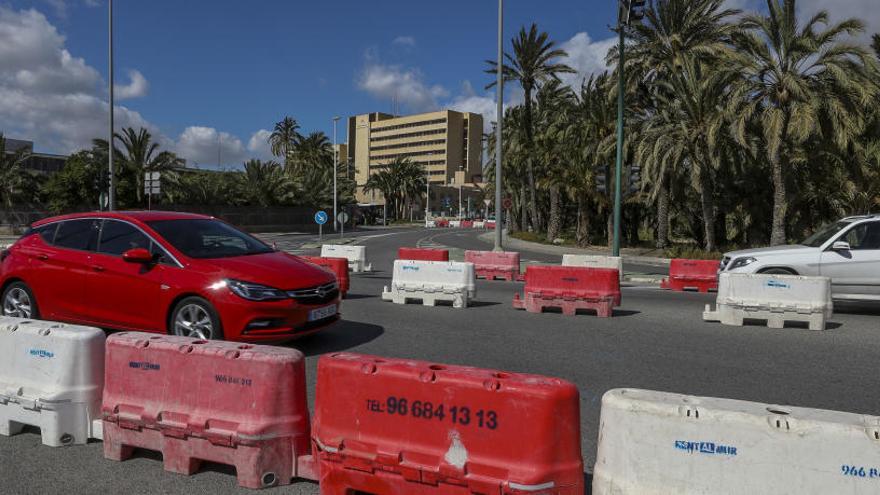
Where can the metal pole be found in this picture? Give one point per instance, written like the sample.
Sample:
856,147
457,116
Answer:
459,202
335,169
427,195
615,249
500,111
111,195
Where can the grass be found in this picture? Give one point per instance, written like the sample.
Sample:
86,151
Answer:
691,252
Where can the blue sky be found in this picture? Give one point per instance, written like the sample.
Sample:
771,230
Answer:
192,69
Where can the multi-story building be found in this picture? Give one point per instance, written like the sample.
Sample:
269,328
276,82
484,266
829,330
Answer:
38,162
448,144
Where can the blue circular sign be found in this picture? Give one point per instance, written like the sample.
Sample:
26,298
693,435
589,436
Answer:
321,217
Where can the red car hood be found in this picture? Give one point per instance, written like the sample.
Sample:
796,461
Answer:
279,270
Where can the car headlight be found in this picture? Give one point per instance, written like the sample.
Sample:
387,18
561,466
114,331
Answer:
741,262
255,292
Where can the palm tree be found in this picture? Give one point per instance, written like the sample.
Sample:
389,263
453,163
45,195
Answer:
140,154
799,82
532,64
398,181
875,44
264,183
312,151
284,138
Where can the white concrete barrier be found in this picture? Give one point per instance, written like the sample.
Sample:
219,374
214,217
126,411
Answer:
479,224
356,256
455,224
432,281
430,224
51,377
653,443
594,261
775,298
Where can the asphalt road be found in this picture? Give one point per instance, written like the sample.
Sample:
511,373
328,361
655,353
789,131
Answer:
656,340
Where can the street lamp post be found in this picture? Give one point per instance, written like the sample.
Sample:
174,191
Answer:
628,11
427,195
335,169
500,117
111,193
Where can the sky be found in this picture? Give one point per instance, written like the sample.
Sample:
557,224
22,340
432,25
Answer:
209,75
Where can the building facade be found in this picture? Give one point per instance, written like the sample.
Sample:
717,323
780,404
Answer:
448,144
38,162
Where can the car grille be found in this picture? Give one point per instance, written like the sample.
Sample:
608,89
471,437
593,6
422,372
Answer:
321,294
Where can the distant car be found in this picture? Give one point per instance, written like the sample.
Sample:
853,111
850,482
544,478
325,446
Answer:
847,251
175,273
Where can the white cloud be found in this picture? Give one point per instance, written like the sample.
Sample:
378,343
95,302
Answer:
136,88
46,94
258,145
585,56
59,101
206,147
406,86
407,41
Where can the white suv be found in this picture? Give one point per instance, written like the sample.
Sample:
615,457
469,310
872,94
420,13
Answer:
847,251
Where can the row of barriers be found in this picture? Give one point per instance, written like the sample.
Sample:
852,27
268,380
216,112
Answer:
460,224
583,282
381,425
387,426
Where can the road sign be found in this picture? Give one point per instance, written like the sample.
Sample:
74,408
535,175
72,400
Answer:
507,203
321,217
342,217
487,202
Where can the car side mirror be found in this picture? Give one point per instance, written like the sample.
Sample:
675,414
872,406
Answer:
138,255
840,246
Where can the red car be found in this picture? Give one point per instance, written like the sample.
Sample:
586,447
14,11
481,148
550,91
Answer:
161,272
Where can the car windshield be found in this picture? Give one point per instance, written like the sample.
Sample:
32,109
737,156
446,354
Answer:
825,233
202,238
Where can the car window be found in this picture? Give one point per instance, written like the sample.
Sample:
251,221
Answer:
77,234
46,232
118,237
825,233
203,238
864,237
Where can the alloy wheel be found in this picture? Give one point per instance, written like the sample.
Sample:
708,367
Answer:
193,321
17,304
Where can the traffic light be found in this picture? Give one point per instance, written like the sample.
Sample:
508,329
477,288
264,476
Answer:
631,11
635,179
601,179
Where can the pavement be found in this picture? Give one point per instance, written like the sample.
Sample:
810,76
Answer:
656,340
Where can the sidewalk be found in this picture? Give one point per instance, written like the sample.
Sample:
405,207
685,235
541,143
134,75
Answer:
643,256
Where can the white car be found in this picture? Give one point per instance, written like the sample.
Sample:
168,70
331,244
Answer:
847,251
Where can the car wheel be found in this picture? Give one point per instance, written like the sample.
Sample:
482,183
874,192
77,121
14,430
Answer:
19,302
778,271
195,317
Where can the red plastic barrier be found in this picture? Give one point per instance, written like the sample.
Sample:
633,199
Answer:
570,288
422,254
467,224
701,275
339,267
195,400
491,265
490,224
393,427
441,223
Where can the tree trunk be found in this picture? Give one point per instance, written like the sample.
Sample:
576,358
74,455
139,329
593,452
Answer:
707,202
663,213
610,229
780,204
554,226
513,224
524,209
530,145
583,223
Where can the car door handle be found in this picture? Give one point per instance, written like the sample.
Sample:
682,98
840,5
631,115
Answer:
42,257
98,268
